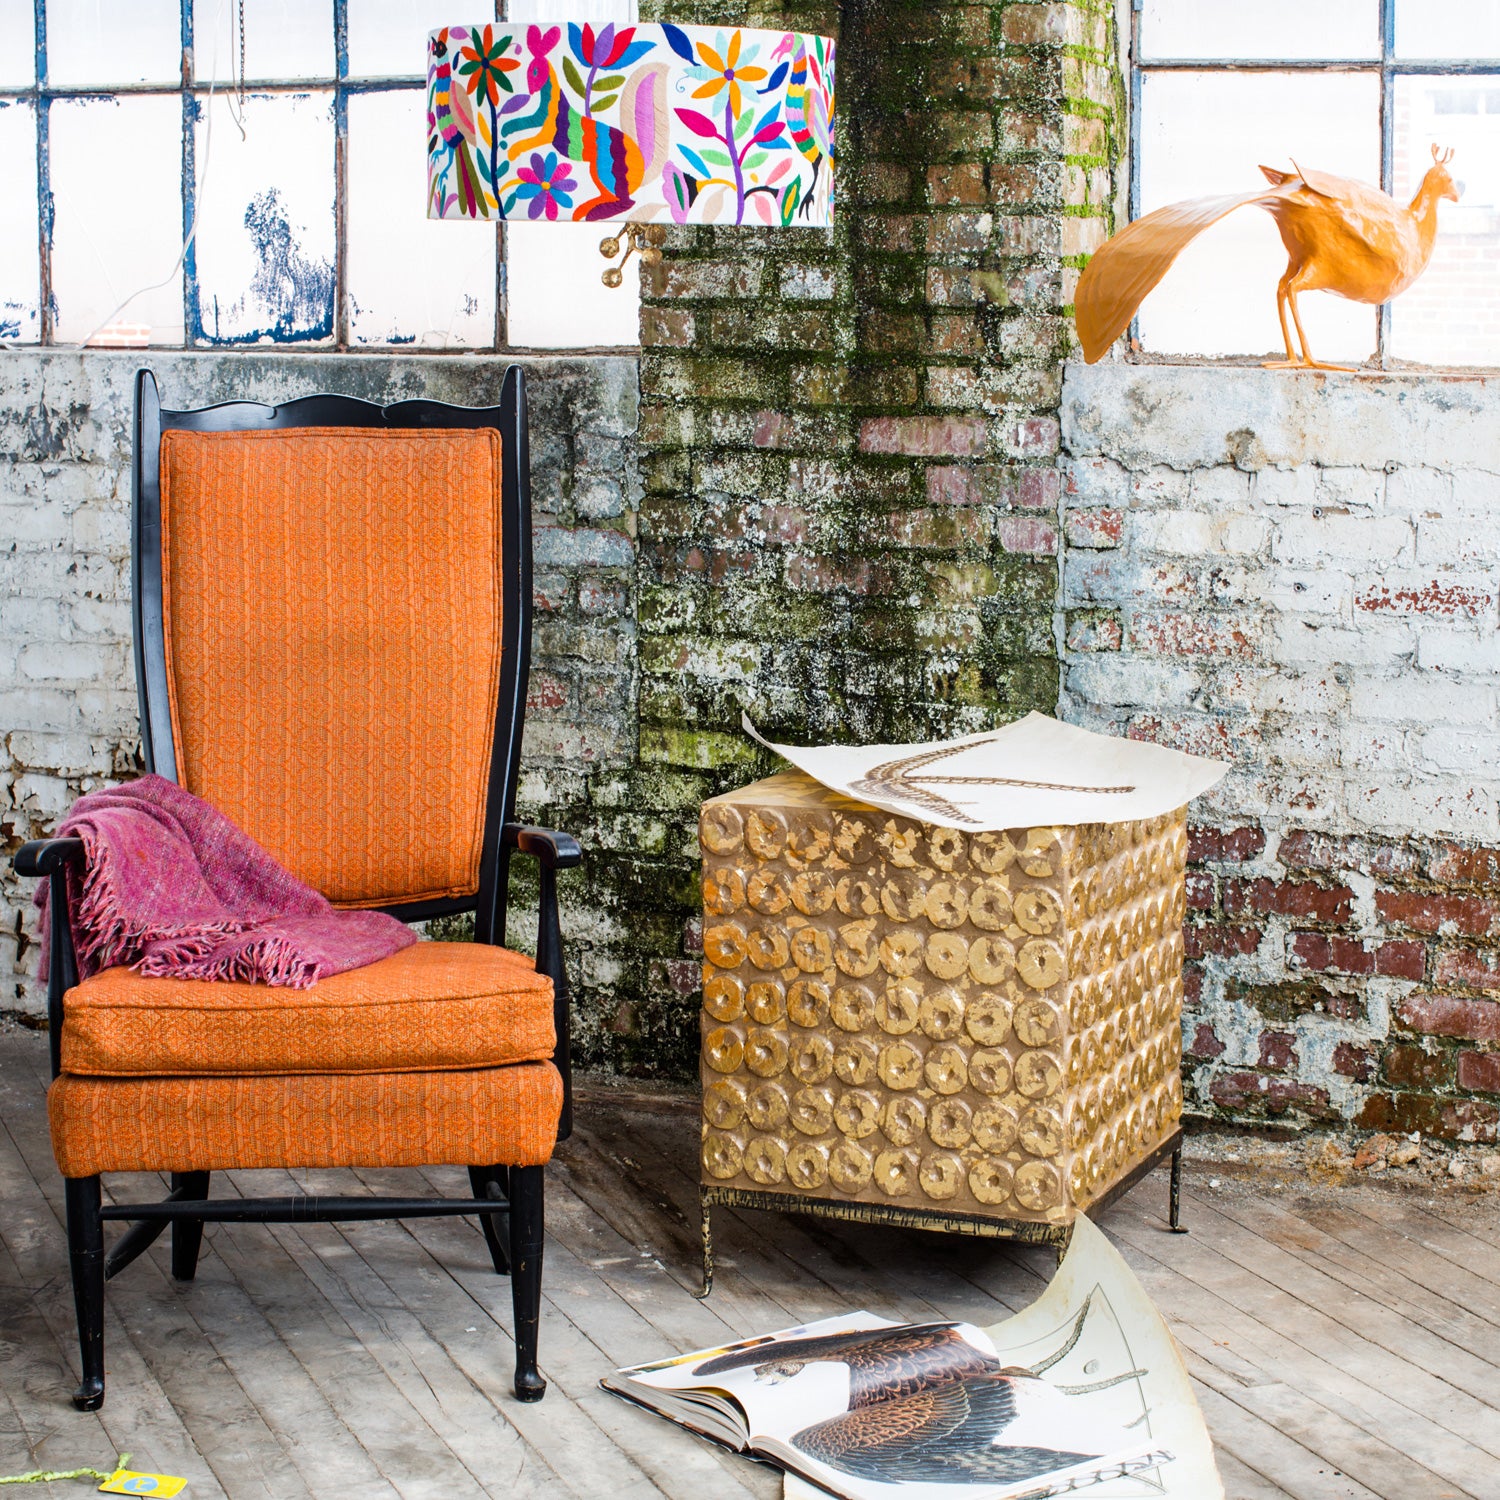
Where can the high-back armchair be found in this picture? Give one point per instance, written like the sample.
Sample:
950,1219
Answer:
332,608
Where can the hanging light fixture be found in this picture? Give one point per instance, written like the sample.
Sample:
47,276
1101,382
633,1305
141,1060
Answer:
630,124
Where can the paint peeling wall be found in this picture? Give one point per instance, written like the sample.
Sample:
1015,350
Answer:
67,685
1302,575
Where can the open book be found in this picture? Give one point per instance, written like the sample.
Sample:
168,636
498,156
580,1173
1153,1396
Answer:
1083,1393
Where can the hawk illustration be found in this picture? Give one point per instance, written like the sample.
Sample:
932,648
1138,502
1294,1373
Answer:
924,1403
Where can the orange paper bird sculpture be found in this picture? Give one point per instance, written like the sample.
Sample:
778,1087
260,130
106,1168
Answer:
1341,236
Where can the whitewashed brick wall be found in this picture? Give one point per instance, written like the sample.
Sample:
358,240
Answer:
1300,574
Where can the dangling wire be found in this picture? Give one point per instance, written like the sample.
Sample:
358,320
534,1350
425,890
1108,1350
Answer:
237,109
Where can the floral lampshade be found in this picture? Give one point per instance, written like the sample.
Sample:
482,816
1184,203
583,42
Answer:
677,124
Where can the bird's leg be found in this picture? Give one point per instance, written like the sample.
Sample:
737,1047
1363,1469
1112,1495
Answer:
1283,296
1307,362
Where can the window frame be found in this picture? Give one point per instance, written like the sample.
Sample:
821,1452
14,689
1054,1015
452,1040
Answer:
1387,65
41,94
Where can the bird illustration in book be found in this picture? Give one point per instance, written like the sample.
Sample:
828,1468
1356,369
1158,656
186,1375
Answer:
924,1403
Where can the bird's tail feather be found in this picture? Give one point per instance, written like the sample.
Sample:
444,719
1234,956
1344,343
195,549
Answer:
1116,281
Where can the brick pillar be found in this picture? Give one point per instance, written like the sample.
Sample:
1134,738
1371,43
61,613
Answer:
848,437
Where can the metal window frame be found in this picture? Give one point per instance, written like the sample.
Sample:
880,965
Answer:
1386,65
42,93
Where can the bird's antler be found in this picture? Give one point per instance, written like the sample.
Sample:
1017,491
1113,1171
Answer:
1441,158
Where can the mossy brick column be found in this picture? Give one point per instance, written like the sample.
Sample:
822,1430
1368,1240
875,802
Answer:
848,437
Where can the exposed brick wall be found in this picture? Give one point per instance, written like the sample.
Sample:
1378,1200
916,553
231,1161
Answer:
1299,574
67,684
848,438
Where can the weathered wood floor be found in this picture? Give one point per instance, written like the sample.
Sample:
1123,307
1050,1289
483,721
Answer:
1345,1342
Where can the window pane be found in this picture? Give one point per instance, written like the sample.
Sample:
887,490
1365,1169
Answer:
1203,134
1452,315
1268,29
20,275
411,279
283,39
554,296
117,191
101,41
1456,29
265,220
17,44
388,38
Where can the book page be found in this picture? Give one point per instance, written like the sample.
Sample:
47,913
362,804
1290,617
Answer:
1118,1330
1035,772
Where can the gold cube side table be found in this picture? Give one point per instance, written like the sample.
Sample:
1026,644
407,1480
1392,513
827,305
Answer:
908,1024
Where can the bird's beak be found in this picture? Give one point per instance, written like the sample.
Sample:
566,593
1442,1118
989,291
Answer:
1455,192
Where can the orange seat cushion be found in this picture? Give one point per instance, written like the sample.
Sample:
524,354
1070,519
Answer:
481,1117
432,1006
331,602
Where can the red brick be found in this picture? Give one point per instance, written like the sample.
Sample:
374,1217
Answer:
1305,850
1435,600
1264,1094
1436,912
1416,1068
1464,864
1460,1119
926,437
1230,845
1200,890
1332,954
1288,898
951,484
773,429
961,184
1354,1062
1027,534
1278,1050
1479,1071
1178,634
1220,941
1036,489
1094,528
1451,1015
1036,437
545,692
1467,966
1205,1045
826,575
1192,985
1095,632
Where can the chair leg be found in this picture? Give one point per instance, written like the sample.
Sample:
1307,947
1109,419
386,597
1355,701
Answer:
86,1258
526,1276
187,1234
494,1182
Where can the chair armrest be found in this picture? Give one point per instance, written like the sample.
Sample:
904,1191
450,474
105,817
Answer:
43,856
553,850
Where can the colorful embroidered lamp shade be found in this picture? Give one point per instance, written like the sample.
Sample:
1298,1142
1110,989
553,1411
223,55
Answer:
672,124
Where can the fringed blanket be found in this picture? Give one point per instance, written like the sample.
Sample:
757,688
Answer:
173,888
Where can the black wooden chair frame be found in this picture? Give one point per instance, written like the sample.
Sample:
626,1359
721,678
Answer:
507,1200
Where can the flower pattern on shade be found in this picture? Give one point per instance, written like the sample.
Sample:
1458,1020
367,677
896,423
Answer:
545,186
667,123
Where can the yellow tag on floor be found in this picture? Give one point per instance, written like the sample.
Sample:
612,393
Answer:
127,1482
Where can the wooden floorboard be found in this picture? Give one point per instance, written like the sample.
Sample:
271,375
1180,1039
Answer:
1344,1340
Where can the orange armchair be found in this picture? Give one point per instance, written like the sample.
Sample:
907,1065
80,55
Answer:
332,636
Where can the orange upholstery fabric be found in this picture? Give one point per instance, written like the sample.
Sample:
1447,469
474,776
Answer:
432,1006
486,1117
332,603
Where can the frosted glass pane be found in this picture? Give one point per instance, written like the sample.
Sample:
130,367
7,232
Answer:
17,44
1452,315
265,221
388,38
20,277
555,299
1458,29
411,279
283,39
104,41
1205,133
1276,29
117,191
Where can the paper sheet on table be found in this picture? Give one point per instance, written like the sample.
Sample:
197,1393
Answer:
1033,773
1159,1407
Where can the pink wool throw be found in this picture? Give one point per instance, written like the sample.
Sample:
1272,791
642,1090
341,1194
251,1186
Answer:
174,889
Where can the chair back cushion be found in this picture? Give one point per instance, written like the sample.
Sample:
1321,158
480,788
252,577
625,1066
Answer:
331,602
